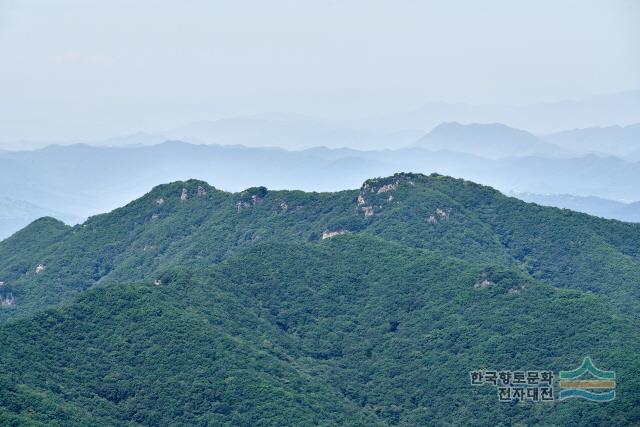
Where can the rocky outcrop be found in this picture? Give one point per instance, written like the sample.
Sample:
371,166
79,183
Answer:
242,205
515,290
160,201
40,268
251,197
388,187
370,191
184,195
284,207
155,216
7,301
439,215
444,215
330,234
483,283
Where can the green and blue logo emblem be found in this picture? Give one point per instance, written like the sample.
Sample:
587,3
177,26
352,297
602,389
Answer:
588,382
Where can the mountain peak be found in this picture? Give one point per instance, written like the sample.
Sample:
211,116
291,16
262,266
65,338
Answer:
489,140
411,178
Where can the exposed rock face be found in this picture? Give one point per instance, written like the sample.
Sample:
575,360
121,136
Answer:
483,283
2,283
157,282
184,195
440,214
252,197
242,205
388,187
330,234
376,187
443,214
515,290
284,206
201,191
7,301
155,216
160,201
40,268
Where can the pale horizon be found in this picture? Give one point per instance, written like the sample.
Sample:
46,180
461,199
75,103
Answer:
87,71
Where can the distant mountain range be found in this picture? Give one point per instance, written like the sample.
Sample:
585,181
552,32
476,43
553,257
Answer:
605,110
16,214
495,140
621,141
82,180
490,140
595,206
390,131
292,132
487,140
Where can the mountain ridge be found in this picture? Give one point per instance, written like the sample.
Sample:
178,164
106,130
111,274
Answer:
191,222
102,178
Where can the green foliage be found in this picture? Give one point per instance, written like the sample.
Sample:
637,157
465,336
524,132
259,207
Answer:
256,320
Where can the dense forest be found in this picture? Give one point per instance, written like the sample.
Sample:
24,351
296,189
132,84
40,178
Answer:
194,306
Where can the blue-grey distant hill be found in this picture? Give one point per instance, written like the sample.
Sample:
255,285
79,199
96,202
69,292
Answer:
493,140
16,214
622,141
621,108
595,206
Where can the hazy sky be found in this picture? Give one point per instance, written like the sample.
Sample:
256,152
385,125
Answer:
90,69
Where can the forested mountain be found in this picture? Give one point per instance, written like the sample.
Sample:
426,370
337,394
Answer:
193,305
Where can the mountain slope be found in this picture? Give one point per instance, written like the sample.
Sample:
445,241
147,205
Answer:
353,330
136,354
